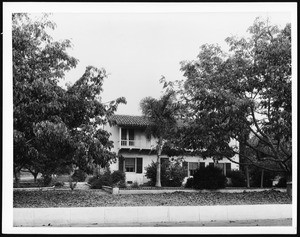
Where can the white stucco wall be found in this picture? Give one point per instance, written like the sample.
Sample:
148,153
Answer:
140,138
142,143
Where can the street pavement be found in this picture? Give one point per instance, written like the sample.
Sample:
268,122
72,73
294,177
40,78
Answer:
240,223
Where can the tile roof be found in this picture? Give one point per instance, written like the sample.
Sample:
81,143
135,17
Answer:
130,120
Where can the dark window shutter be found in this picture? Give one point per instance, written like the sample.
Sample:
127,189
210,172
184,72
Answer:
185,166
228,168
139,165
121,163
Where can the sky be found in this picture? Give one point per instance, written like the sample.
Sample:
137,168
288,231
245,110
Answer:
136,49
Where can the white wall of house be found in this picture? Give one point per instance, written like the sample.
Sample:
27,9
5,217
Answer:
142,143
140,139
133,176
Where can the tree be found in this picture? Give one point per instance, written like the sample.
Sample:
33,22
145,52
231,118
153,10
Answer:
241,95
55,129
162,115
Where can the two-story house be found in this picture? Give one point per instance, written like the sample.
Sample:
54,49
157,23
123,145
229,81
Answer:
138,150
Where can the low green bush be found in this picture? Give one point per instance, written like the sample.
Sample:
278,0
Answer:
46,180
172,174
117,178
189,183
281,183
209,178
96,183
255,177
59,184
237,177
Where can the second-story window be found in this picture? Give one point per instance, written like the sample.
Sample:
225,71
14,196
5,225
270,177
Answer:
127,137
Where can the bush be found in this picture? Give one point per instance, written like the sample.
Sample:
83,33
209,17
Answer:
117,178
151,173
189,183
135,185
172,174
79,176
237,177
46,180
255,177
209,178
59,184
281,183
175,174
97,182
92,179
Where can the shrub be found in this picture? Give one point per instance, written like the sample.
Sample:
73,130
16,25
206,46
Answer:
281,183
209,178
47,180
97,182
175,175
255,177
117,177
59,184
135,185
79,176
237,177
172,174
151,173
92,179
189,183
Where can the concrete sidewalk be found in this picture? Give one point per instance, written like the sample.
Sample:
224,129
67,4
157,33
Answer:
148,214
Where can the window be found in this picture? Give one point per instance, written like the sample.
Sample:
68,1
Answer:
127,137
225,167
193,166
130,165
133,165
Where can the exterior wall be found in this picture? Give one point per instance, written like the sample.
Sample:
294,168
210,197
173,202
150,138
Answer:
142,144
114,130
135,177
140,139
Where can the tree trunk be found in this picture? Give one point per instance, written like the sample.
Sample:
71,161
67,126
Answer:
17,178
262,179
158,165
35,177
247,176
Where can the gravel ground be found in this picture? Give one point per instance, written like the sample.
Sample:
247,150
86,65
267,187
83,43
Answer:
98,198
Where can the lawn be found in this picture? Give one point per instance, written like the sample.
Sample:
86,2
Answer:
98,198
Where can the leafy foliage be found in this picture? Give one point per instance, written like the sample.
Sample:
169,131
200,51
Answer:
243,95
255,178
55,130
162,114
172,174
79,176
118,178
208,178
237,177
281,183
